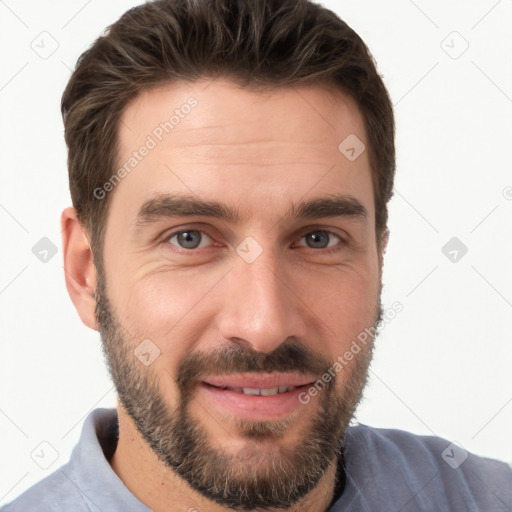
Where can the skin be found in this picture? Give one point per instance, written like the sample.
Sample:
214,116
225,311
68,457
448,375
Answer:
259,153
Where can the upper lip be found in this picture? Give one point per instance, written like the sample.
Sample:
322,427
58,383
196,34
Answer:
259,380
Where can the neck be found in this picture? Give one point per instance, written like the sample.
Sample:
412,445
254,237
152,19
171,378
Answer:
160,489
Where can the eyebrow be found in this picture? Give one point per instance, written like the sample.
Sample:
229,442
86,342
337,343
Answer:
169,206
331,206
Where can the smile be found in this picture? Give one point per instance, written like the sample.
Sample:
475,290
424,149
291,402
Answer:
255,396
259,391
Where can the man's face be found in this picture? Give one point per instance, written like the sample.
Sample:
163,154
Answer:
240,262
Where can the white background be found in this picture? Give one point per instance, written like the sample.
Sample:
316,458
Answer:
442,366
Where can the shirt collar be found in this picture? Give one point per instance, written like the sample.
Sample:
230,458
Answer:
99,485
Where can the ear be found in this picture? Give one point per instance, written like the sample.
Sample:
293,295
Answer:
80,272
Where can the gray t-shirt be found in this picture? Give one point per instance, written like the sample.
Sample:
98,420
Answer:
385,470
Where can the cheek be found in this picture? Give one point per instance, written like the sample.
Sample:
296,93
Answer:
346,303
161,304
171,310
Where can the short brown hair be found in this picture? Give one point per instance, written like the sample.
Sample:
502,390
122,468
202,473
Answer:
272,43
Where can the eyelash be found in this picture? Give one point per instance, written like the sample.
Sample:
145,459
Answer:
327,250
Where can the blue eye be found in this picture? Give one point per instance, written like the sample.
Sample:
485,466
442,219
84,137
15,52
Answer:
320,239
189,239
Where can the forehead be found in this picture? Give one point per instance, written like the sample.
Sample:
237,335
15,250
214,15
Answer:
217,141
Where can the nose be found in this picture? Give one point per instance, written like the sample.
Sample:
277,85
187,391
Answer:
260,307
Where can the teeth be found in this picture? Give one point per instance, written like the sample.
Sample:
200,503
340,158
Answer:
264,391
252,391
260,391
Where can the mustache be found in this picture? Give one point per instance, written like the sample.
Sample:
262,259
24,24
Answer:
293,355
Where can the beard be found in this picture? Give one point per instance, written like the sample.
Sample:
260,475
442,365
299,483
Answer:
264,473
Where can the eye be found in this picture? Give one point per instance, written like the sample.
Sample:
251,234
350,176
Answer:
190,239
320,239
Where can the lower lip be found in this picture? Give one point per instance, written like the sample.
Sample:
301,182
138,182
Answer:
255,407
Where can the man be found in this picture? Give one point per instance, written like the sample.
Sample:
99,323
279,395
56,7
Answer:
230,166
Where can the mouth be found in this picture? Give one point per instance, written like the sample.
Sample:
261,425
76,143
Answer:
256,396
277,390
